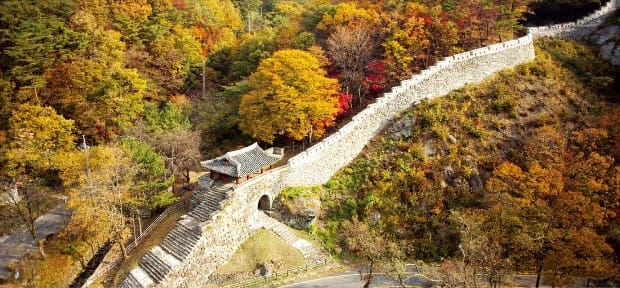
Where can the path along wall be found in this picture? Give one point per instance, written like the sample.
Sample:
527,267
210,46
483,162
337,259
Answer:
238,217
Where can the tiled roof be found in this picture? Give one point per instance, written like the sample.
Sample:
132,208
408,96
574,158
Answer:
241,162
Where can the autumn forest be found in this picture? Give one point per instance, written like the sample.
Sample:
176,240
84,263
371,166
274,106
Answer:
109,105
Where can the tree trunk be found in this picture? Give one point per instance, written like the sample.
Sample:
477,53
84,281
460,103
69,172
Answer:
538,272
123,250
186,175
40,246
140,223
369,278
400,280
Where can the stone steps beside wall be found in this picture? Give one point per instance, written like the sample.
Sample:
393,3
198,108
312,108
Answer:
130,282
180,241
154,266
202,212
210,202
204,185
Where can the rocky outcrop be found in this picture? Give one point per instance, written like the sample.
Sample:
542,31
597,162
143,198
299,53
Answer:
608,39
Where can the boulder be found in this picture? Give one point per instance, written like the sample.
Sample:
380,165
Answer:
402,129
374,217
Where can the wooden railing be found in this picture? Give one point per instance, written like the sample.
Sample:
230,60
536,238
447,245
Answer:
103,269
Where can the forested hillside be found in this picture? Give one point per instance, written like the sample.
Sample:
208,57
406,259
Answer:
107,104
518,174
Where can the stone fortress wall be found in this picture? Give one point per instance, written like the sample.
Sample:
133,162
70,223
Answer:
237,216
316,165
576,29
237,220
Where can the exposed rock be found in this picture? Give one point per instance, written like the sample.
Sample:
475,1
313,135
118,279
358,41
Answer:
264,269
302,219
452,139
448,172
429,149
374,217
606,38
299,213
402,129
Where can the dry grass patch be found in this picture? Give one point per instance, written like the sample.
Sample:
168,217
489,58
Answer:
262,247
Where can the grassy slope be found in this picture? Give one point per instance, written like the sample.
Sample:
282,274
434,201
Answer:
262,247
566,87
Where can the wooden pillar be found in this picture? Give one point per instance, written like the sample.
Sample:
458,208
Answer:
261,170
211,175
237,180
247,177
270,166
223,179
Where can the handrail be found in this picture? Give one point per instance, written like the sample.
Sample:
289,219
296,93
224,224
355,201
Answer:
102,270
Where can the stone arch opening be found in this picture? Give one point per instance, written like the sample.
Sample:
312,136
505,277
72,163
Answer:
264,203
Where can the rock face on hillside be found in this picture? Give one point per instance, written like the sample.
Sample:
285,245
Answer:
608,39
299,213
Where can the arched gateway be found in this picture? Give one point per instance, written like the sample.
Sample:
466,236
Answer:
264,203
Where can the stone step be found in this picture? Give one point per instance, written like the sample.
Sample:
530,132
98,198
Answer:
175,249
201,212
187,232
155,267
184,237
130,282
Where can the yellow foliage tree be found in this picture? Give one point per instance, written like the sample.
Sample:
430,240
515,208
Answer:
291,96
35,135
99,182
346,14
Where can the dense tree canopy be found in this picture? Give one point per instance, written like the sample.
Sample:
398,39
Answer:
36,135
291,96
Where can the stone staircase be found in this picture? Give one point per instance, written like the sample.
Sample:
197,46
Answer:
309,251
130,282
210,203
155,267
181,239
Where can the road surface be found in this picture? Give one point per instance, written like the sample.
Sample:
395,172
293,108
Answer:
16,245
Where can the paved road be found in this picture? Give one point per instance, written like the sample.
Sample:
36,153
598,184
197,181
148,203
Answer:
13,247
351,279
